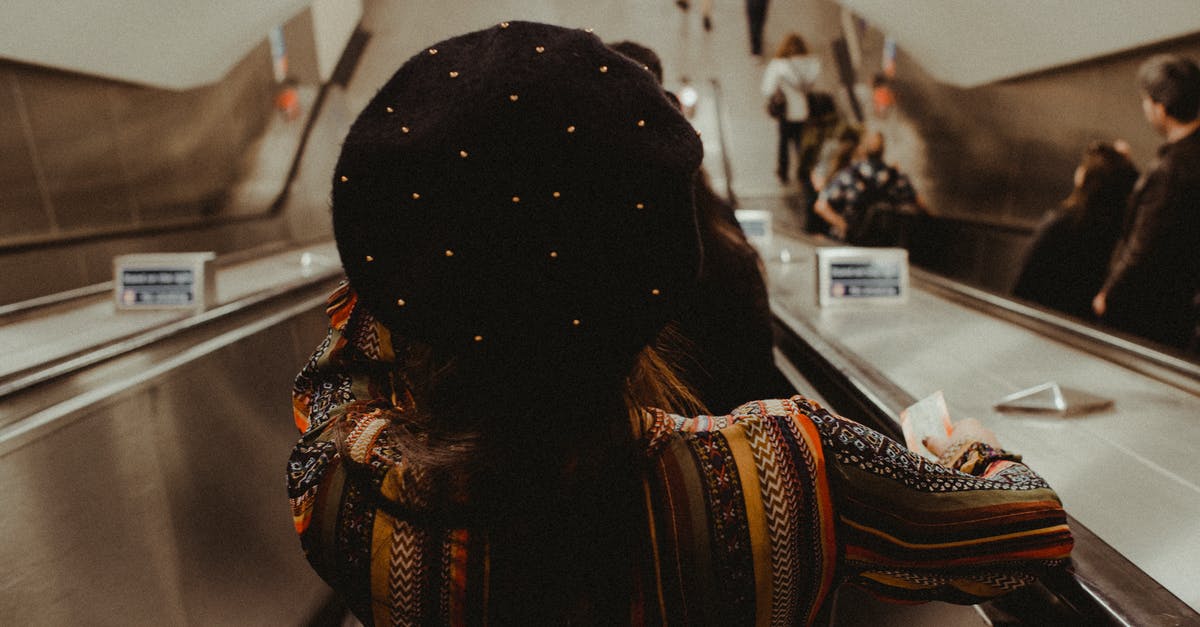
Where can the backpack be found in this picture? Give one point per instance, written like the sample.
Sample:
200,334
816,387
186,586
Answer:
876,220
777,104
820,105
878,224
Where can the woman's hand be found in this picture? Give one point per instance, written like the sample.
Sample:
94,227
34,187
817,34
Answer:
962,432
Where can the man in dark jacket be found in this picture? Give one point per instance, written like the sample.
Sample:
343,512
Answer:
1154,275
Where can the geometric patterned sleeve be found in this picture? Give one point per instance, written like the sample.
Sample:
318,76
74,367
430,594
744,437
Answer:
764,512
742,518
913,530
345,382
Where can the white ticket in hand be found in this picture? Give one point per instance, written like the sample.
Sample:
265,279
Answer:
924,418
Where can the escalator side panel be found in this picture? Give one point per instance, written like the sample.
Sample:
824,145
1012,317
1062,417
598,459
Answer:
165,503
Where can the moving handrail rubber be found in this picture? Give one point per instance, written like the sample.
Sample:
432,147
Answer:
1102,587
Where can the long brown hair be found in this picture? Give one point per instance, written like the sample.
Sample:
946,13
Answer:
421,381
558,484
792,46
654,381
1098,200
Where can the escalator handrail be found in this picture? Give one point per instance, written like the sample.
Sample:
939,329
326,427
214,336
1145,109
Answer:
97,354
1102,585
1126,352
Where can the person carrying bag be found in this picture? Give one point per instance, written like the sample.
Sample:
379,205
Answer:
786,83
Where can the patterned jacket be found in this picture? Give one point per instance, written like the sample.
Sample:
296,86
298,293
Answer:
755,516
864,185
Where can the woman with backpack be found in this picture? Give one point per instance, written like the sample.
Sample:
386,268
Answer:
786,83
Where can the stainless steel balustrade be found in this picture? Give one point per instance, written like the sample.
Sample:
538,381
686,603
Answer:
144,483
872,362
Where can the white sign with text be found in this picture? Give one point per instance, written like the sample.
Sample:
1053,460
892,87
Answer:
848,275
164,281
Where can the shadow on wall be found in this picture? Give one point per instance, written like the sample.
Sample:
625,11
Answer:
85,154
1006,152
94,168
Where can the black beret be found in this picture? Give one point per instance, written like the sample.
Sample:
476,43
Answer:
520,195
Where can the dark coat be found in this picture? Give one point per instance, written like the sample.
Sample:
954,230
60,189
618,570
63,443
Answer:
1155,272
1066,263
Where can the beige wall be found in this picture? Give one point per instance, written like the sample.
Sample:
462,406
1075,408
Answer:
1007,151
166,44
333,23
86,155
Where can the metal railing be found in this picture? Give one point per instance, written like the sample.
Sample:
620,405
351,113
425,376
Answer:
1101,588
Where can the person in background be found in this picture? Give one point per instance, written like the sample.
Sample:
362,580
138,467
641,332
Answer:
756,17
1067,259
493,433
648,58
705,11
1154,277
864,202
792,71
836,154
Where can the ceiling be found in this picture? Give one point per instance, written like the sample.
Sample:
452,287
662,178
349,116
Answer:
973,42
175,44
180,44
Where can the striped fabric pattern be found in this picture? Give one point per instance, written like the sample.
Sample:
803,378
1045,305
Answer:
754,517
915,530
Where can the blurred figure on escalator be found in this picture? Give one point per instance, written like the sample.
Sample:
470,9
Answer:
869,202
648,58
706,7
1067,259
836,154
1154,276
756,16
786,83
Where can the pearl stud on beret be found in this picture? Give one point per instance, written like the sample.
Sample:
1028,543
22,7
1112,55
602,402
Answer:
502,199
